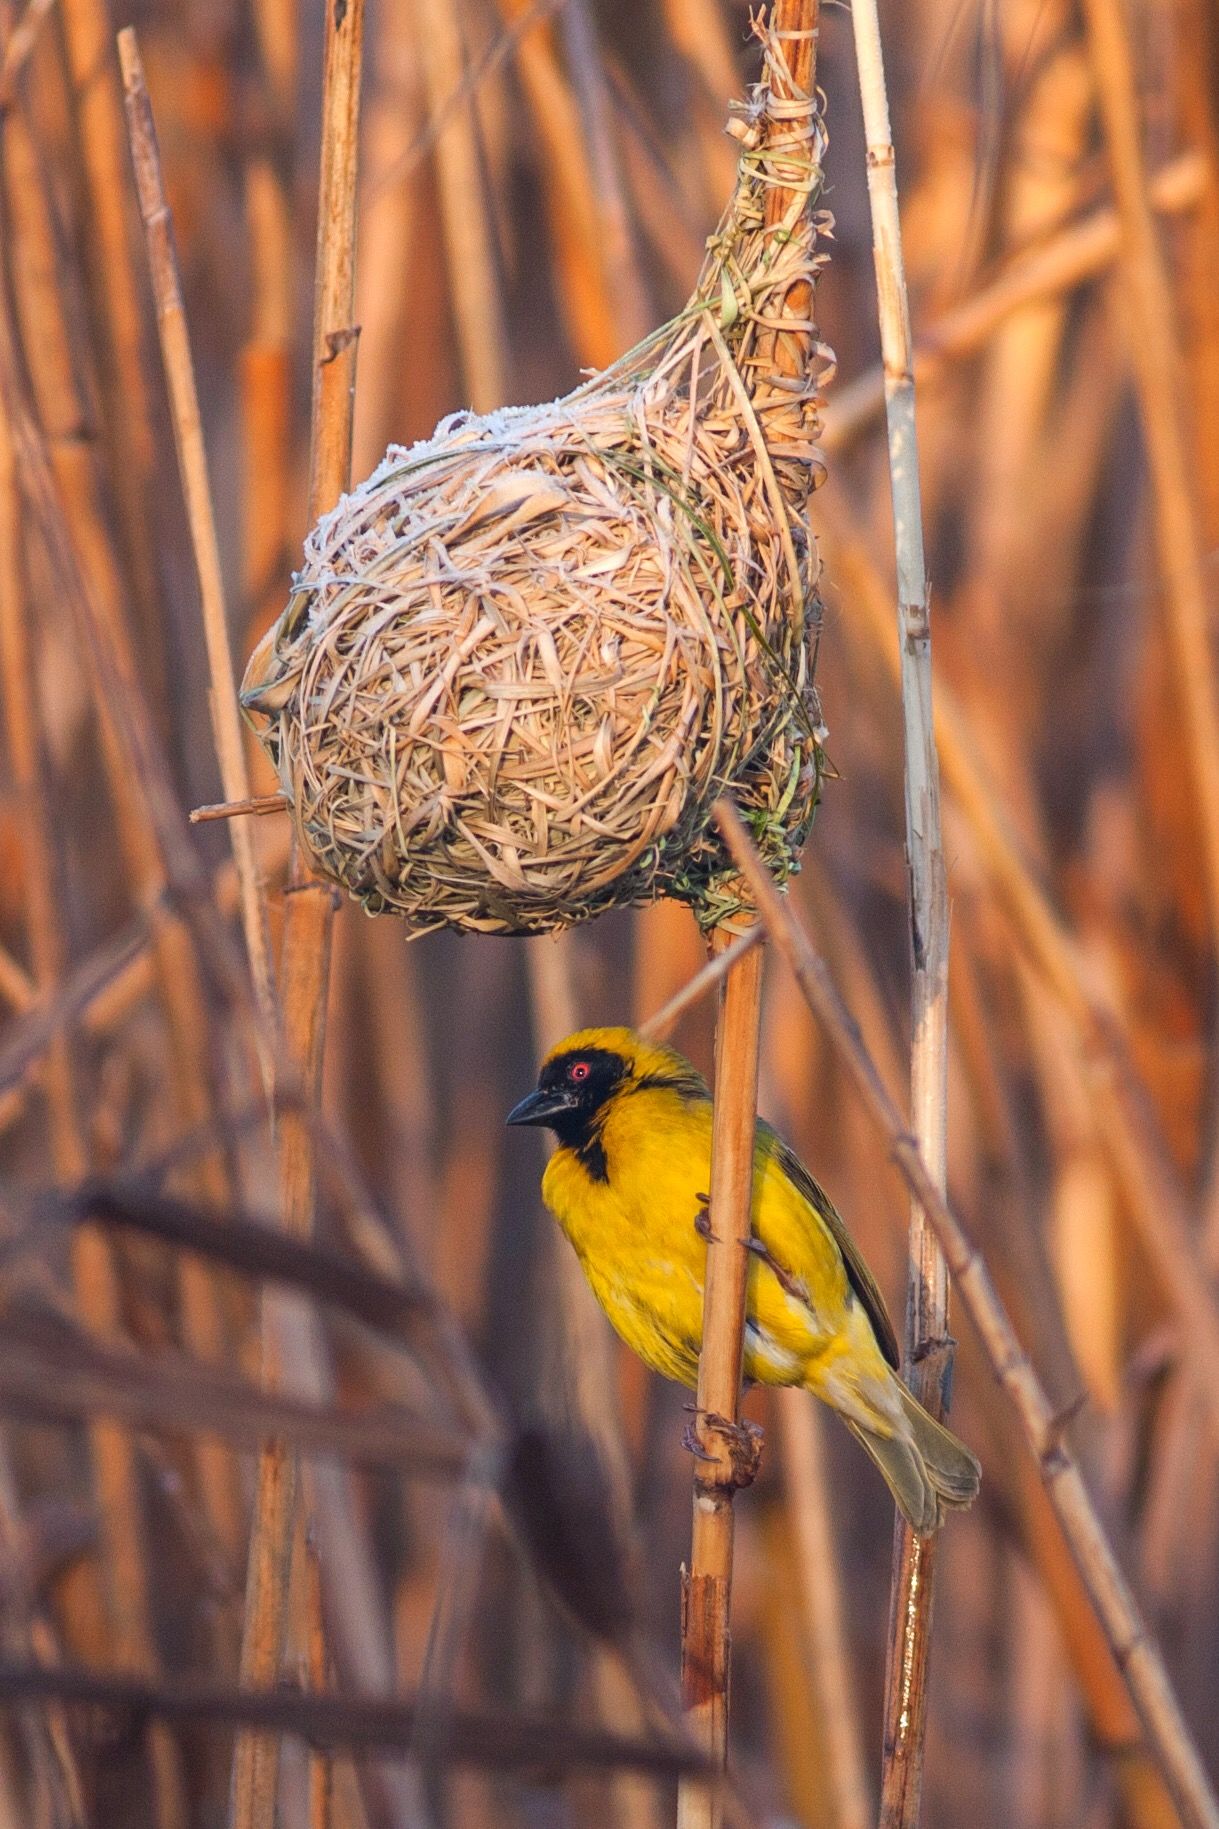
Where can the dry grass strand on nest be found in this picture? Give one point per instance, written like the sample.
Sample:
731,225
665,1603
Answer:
522,660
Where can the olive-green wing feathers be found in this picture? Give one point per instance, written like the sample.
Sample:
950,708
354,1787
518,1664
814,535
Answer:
858,1275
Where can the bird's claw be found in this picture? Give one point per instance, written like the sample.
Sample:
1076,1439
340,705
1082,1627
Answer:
702,1220
733,1450
692,1445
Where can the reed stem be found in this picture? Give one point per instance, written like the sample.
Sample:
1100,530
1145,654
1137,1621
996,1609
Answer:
927,1356
197,490
721,1446
707,1584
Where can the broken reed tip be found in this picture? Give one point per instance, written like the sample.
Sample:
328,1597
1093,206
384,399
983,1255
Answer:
236,809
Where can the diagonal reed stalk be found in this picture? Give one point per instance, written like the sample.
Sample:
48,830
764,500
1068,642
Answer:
927,1358
1122,1107
310,904
1135,1650
192,464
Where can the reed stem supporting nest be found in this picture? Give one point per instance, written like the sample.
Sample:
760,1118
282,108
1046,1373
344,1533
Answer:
725,1449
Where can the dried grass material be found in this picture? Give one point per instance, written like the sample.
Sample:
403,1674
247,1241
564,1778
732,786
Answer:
523,659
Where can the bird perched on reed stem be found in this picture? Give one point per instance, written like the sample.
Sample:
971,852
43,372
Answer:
628,1185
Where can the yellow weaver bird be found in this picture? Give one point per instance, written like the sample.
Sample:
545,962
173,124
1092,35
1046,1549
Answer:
628,1185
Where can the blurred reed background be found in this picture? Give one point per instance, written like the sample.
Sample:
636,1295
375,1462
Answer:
537,181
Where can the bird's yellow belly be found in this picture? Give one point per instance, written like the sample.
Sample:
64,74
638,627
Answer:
648,1277
643,1255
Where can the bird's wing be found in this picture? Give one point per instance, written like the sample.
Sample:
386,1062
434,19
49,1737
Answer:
858,1275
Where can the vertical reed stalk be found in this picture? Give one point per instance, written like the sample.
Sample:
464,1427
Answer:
1137,1654
707,1584
928,1347
310,904
192,464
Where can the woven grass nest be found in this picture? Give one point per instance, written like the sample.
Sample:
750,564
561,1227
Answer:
521,661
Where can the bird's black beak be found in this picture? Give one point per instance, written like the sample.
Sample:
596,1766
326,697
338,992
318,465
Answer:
541,1107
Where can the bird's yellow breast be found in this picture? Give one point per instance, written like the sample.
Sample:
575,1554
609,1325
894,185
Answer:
635,1229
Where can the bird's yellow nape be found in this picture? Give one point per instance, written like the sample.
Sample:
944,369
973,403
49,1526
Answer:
644,1060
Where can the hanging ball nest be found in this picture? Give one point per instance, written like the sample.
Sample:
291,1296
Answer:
523,659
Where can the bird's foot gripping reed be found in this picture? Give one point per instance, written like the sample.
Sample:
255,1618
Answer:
522,660
739,1461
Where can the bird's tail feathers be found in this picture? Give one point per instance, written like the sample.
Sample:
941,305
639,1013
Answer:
925,1467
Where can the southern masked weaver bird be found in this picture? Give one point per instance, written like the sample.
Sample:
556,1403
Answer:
628,1185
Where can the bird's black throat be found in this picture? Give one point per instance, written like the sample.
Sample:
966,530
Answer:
582,1135
579,1127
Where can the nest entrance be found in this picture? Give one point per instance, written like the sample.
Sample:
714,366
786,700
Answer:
522,660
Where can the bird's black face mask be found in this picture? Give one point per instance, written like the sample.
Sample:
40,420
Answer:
571,1091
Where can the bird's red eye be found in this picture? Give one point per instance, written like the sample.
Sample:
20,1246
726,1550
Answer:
578,1071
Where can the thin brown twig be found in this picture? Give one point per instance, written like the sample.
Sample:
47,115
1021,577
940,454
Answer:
1134,1648
17,700
499,50
257,805
575,1369
927,1354
658,1025
196,487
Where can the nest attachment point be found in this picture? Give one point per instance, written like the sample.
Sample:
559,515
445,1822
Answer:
523,659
